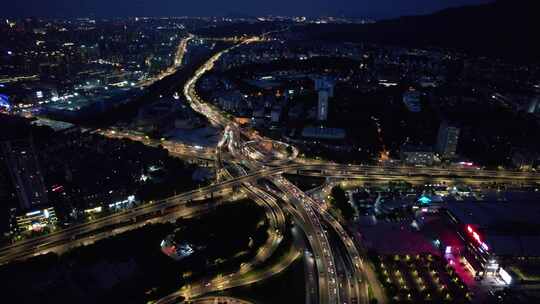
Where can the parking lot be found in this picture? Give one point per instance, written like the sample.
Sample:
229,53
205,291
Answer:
420,278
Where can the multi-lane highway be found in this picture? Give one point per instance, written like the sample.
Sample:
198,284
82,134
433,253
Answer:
232,280
248,271
322,251
328,169
105,226
178,59
219,300
308,213
328,284
173,147
304,206
33,246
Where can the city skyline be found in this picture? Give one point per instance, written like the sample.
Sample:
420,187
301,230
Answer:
312,8
270,159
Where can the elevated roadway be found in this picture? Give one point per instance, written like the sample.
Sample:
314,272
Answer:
31,247
308,211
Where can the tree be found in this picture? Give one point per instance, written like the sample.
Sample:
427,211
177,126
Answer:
340,200
289,150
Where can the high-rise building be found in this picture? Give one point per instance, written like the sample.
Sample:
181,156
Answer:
322,108
324,83
534,106
325,88
25,172
447,140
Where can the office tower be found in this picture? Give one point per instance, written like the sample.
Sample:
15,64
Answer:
322,108
324,83
325,89
534,106
24,170
447,140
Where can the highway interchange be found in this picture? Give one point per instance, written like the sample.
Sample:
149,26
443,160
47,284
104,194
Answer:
308,212
280,200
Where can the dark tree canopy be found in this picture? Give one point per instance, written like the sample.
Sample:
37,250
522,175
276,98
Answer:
339,200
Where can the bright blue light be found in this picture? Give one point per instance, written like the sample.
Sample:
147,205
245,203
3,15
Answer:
4,101
424,200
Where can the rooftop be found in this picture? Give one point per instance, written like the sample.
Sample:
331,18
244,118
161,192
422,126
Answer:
323,133
500,217
508,228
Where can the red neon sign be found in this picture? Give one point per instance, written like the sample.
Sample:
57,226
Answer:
476,236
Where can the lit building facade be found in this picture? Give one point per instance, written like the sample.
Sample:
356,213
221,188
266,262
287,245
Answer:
447,140
322,108
325,88
418,155
36,220
324,84
492,240
25,172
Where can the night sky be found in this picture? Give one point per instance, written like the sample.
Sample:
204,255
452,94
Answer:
361,8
